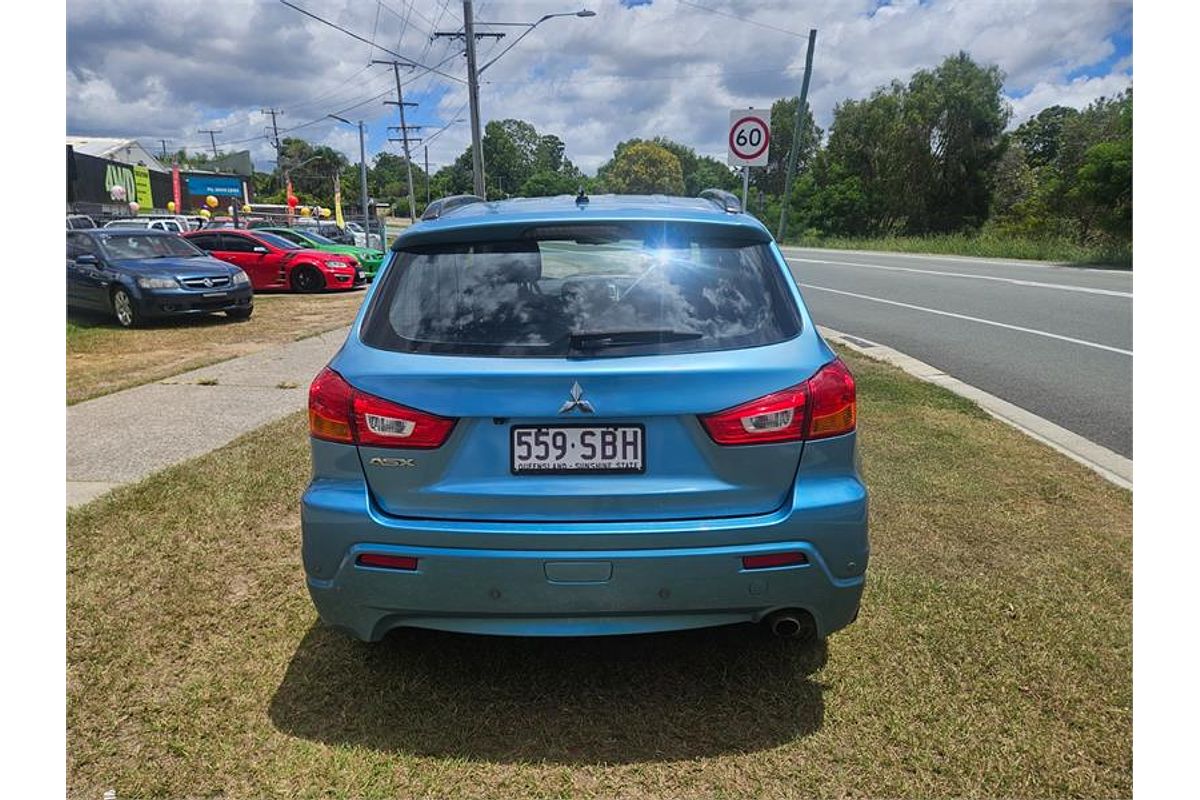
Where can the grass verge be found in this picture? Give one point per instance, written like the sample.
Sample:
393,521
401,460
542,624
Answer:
985,245
103,357
992,656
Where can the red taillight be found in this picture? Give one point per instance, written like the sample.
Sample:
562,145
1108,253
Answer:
778,417
329,399
387,562
822,406
773,560
337,412
834,406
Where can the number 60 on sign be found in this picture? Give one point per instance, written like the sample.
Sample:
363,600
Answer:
749,137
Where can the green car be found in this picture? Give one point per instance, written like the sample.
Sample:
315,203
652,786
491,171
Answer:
369,258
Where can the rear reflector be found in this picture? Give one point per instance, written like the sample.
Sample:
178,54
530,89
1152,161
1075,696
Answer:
387,562
773,560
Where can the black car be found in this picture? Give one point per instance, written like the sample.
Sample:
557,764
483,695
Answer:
137,275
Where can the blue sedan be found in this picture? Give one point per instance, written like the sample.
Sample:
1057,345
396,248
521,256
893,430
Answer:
136,275
588,416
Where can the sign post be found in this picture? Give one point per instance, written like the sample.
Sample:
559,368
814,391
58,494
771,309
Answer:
749,143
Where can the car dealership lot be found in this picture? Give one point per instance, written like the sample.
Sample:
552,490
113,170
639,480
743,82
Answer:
989,658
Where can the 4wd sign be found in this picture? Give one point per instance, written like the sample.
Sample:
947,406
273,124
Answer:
749,137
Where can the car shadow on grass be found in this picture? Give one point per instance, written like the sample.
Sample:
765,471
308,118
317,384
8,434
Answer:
605,700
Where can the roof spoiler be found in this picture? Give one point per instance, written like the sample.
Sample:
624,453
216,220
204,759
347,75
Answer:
443,205
726,201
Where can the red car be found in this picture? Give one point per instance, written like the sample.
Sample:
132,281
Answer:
273,262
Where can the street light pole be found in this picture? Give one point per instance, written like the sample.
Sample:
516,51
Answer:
473,97
362,172
474,71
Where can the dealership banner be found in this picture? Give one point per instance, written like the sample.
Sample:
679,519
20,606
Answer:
141,179
203,185
176,192
90,181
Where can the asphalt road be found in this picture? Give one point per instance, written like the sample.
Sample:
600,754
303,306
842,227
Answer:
1054,340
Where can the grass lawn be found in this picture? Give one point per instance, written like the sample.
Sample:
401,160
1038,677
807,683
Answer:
985,245
992,657
103,357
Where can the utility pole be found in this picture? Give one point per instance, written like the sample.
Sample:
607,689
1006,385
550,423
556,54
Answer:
407,140
212,137
801,105
273,112
470,35
412,200
426,175
474,70
164,147
473,96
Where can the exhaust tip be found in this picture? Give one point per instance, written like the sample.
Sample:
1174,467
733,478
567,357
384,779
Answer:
786,627
791,624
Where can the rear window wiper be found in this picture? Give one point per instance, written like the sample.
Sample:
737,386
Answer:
599,340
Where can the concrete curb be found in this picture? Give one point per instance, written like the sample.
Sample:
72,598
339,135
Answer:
1109,465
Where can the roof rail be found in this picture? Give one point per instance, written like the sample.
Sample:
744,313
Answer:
443,205
726,201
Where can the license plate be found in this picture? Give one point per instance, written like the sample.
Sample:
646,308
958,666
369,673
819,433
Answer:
559,449
215,294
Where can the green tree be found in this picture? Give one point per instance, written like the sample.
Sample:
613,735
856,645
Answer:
1040,136
645,168
783,123
699,172
959,111
546,183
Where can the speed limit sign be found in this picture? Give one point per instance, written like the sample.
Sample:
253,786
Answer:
749,137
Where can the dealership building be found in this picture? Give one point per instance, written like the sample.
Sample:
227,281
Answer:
96,164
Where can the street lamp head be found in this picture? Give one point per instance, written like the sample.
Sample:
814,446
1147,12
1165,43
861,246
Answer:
585,13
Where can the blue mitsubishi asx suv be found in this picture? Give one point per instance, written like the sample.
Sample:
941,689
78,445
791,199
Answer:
585,416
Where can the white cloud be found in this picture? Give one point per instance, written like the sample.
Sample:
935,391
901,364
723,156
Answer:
665,68
1076,94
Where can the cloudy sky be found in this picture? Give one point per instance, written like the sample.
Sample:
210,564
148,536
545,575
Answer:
638,68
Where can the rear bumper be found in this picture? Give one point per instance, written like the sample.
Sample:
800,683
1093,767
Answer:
587,579
566,593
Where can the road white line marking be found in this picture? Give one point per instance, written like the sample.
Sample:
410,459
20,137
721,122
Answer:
1005,325
1113,466
937,257
1014,281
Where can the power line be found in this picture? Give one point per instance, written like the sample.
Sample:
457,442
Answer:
354,35
743,19
636,78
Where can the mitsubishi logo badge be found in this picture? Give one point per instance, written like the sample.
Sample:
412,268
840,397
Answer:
577,403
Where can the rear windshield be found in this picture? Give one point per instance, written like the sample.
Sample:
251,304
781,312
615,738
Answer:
584,290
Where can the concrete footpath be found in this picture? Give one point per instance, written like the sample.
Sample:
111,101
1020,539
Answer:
126,436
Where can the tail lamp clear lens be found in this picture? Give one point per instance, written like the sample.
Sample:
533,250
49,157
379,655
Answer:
824,405
337,412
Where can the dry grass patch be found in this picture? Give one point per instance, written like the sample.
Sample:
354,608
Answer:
992,656
103,357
